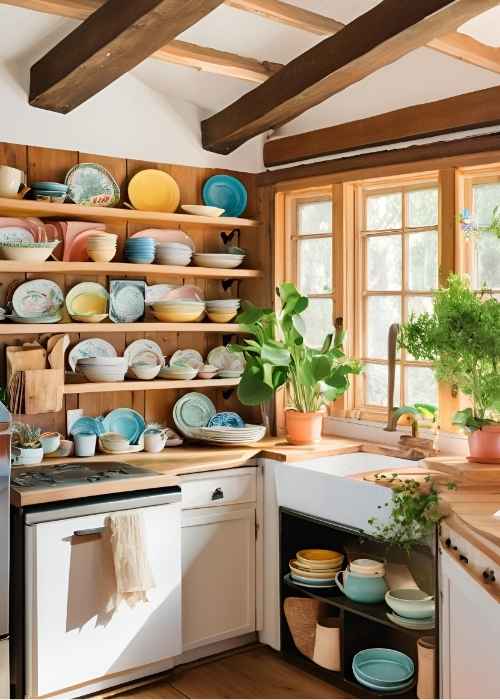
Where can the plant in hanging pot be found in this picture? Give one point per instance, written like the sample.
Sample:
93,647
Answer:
461,337
277,356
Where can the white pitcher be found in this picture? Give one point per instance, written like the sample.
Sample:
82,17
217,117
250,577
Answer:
154,440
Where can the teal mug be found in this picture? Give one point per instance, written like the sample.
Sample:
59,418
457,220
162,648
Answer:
361,589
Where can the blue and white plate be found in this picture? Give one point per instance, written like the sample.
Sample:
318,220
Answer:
225,192
125,421
226,419
85,424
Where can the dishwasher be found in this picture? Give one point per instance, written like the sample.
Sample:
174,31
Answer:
73,645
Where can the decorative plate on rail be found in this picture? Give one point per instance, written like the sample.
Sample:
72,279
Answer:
154,190
126,300
91,185
226,192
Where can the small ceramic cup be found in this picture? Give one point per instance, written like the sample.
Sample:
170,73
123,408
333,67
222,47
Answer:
85,444
154,440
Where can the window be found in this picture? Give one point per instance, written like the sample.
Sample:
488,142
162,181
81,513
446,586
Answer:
482,253
310,258
396,269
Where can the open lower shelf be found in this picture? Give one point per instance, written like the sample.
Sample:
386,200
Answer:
27,207
144,327
375,612
153,385
114,268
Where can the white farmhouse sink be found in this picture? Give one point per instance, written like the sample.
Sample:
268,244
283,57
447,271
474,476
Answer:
319,487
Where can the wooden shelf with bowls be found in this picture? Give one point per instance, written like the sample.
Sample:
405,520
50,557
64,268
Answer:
112,268
27,207
144,327
154,384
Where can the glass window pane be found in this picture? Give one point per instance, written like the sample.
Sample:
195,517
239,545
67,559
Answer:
485,199
421,386
318,318
418,305
423,207
315,265
384,211
381,312
314,217
384,267
423,260
487,268
376,385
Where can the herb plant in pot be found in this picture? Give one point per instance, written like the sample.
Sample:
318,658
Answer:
461,337
277,356
26,445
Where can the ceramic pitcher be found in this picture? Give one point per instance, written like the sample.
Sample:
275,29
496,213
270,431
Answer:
361,589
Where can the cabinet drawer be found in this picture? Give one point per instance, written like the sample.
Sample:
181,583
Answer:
219,488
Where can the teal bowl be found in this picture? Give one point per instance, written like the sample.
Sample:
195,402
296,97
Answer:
383,667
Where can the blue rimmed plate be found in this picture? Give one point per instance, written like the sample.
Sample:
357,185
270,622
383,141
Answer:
85,424
226,192
226,419
125,421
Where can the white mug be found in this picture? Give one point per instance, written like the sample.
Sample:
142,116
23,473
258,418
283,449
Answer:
154,440
85,444
11,182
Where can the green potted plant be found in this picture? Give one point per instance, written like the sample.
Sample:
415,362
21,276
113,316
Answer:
276,356
461,337
26,445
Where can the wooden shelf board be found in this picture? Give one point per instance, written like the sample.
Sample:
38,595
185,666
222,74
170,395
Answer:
26,207
154,384
111,268
144,327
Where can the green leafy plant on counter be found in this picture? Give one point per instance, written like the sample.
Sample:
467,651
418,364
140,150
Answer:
461,337
415,511
276,355
26,436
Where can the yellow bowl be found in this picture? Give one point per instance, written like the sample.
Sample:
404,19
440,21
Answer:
319,559
89,318
177,316
221,316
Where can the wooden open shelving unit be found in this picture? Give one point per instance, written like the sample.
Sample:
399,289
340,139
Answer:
152,385
27,207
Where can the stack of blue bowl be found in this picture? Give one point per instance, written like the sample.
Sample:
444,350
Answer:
384,670
140,250
49,191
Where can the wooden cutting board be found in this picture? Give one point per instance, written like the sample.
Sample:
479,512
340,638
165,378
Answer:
43,391
463,470
20,359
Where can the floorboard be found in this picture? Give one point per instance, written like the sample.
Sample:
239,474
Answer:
256,673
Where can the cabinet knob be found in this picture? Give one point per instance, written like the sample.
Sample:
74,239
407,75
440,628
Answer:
217,494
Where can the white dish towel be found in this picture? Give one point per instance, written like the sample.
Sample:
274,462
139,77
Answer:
133,574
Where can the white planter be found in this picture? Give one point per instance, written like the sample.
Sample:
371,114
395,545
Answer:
27,455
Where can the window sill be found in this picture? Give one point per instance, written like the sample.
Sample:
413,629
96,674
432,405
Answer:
371,431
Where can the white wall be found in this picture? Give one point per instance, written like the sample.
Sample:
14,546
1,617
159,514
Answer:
127,119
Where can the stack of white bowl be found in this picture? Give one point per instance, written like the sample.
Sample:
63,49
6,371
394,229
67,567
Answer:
173,253
179,310
102,369
222,310
101,246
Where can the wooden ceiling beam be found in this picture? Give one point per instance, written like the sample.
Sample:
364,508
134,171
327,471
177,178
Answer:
468,49
109,43
385,33
471,110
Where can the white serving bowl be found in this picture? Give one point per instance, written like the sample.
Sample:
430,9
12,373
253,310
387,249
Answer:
103,374
224,261
117,362
144,371
410,602
202,210
32,252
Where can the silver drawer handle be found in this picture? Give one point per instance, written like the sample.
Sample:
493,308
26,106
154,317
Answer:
90,531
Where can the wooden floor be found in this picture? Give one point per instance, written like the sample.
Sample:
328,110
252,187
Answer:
256,672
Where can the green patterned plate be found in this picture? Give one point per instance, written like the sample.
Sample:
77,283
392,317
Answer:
193,410
91,185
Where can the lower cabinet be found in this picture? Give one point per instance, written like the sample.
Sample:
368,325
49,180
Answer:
469,624
218,573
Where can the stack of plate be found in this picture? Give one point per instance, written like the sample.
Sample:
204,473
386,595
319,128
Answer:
221,435
101,246
384,670
179,310
102,369
49,191
173,253
224,261
192,411
140,250
222,310
316,568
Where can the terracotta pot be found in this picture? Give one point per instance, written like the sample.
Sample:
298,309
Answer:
484,444
303,428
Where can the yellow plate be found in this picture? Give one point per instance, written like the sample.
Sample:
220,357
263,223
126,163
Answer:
307,573
154,190
319,558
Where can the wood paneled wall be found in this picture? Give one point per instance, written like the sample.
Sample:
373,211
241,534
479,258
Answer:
51,164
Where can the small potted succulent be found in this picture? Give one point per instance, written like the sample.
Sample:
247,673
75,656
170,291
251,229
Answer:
461,337
26,445
277,355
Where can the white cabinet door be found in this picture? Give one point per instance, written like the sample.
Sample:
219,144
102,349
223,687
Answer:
71,639
470,624
218,574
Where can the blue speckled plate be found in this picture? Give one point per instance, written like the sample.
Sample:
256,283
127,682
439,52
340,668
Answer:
225,192
125,421
226,419
85,424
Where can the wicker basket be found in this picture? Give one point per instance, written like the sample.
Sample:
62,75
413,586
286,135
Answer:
302,615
